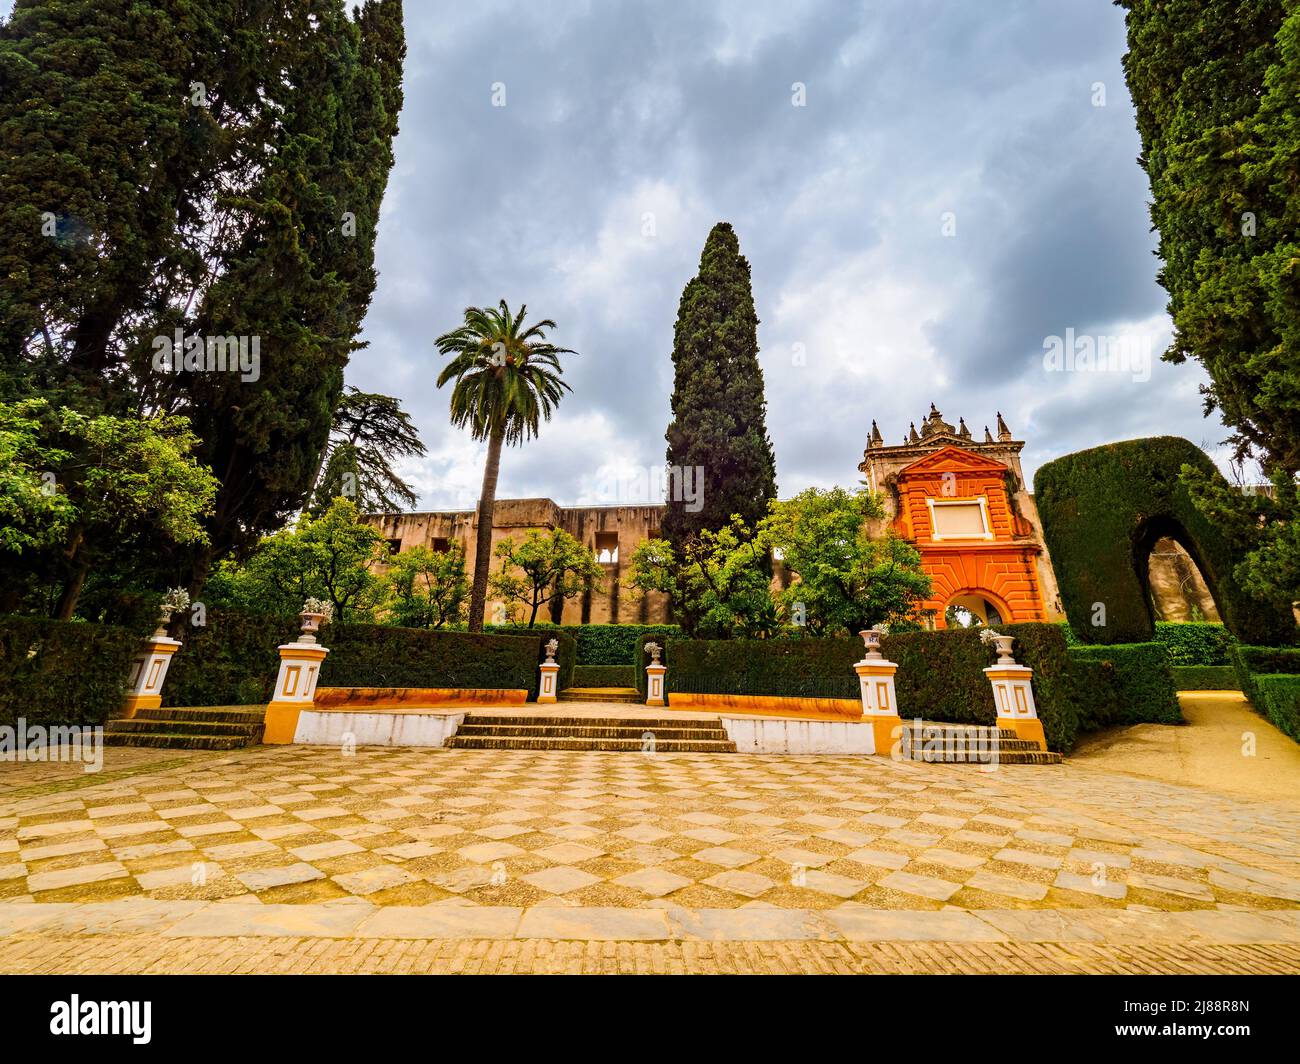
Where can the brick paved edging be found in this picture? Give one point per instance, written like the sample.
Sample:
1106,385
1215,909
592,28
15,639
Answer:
157,955
362,921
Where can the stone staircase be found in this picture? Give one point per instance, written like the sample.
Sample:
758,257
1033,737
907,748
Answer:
957,743
197,728
683,735
627,695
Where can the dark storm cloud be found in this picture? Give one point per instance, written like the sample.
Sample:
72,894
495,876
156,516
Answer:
681,113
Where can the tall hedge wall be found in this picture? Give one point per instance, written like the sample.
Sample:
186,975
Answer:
234,659
1194,643
940,676
63,672
1102,511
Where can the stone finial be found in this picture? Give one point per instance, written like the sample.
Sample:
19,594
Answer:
875,439
871,638
654,650
988,436
962,430
1004,433
552,648
912,437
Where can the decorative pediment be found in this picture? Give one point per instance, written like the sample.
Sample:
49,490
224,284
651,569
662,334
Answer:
953,459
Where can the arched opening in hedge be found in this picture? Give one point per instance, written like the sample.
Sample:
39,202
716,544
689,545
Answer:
1104,509
1177,587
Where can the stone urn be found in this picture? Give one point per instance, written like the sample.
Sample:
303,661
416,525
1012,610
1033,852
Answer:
654,650
1002,643
552,648
872,637
311,623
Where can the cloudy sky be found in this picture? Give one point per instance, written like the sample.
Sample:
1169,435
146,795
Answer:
926,192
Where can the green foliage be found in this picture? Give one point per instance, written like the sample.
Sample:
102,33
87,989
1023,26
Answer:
717,439
1215,88
1251,662
214,169
368,433
63,672
604,676
720,582
331,557
428,587
1278,698
1103,510
1206,678
1190,643
1145,692
847,580
792,668
232,659
32,514
508,379
545,567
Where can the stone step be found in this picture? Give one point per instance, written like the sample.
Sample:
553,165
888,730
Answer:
1004,745
173,741
643,723
625,695
959,729
208,714
1032,756
250,730
594,729
661,746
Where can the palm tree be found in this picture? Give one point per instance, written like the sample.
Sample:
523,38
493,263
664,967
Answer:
507,378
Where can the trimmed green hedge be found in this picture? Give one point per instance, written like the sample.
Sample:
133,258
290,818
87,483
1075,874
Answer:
1206,678
63,672
604,676
1104,508
1194,643
602,644
1144,690
1278,698
234,660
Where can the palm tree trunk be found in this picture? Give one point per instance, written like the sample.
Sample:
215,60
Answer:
483,551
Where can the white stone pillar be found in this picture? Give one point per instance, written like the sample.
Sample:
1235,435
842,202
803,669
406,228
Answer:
879,698
148,672
1013,694
295,686
549,669
654,677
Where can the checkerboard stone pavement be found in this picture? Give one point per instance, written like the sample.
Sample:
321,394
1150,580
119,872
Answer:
561,836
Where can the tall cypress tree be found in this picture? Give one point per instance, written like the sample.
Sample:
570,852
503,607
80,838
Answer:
1215,84
719,425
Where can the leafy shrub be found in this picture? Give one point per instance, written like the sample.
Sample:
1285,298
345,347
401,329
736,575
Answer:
604,676
602,644
1144,683
234,660
63,672
1194,643
1206,678
1277,696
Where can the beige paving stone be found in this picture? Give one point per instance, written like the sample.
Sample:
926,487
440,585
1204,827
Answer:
179,876
1104,888
1007,885
321,851
750,884
725,856
569,853
440,922
1027,857
714,836
901,925
486,852
592,924
200,831
369,880
952,858
923,886
80,876
828,883
794,856
655,882
408,851
285,875
877,858
562,879
62,849
1186,888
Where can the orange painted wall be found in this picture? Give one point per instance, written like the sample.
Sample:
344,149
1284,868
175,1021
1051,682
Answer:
1001,569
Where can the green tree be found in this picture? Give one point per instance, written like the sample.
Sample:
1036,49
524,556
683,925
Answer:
1215,85
211,167
544,567
332,557
507,380
720,579
428,587
847,579
719,453
34,515
369,432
